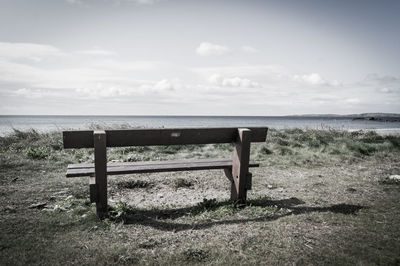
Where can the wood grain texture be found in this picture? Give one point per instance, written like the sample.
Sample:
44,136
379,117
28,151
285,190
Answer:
93,189
240,165
77,170
170,136
100,170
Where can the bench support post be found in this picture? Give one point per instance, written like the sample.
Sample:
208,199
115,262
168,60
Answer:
100,161
93,189
240,166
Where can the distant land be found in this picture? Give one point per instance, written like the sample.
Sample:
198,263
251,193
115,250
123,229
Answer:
362,115
379,117
352,115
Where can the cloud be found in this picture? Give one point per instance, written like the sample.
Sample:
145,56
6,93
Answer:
97,52
73,71
73,1
218,80
244,70
144,2
383,84
168,85
151,87
352,100
29,93
249,49
381,79
29,51
316,79
138,2
210,49
104,91
313,78
385,90
113,89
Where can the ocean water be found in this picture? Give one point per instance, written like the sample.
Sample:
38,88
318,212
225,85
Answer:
50,123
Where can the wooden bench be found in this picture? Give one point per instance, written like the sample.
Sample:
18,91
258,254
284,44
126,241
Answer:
235,168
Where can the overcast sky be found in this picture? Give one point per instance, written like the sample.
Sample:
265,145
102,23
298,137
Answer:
183,57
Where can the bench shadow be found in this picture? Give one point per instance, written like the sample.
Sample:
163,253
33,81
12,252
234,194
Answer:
157,218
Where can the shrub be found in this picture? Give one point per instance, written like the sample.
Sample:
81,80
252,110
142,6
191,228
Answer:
182,182
282,150
394,140
282,142
197,255
37,152
372,137
360,148
265,150
131,184
31,134
172,149
120,212
207,204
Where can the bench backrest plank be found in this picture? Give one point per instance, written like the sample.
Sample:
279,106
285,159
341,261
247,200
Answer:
164,136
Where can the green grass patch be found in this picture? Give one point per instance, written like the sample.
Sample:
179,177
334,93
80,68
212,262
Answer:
319,197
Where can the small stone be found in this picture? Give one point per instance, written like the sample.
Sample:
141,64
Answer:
394,177
69,197
93,228
39,205
350,189
59,208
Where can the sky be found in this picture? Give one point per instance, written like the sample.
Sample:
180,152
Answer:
186,57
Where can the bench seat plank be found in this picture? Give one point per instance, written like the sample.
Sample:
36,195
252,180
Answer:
76,170
160,136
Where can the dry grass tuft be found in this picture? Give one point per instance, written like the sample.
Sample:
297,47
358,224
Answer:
320,197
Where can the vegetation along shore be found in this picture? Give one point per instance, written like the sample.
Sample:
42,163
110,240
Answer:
319,197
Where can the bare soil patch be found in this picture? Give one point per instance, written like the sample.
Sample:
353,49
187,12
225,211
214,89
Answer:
318,198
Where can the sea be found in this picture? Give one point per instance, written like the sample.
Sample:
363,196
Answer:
46,123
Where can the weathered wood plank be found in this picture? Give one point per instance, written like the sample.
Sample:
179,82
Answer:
78,139
249,181
93,189
164,136
240,167
153,167
100,169
150,163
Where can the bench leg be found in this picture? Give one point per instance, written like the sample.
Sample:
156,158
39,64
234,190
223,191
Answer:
234,194
100,161
240,166
228,174
93,189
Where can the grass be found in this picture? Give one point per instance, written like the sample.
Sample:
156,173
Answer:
318,147
181,183
132,184
320,197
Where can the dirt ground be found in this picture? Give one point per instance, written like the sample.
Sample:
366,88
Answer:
337,213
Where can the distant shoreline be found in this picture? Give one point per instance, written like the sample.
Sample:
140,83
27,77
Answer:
380,131
361,116
380,124
378,119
